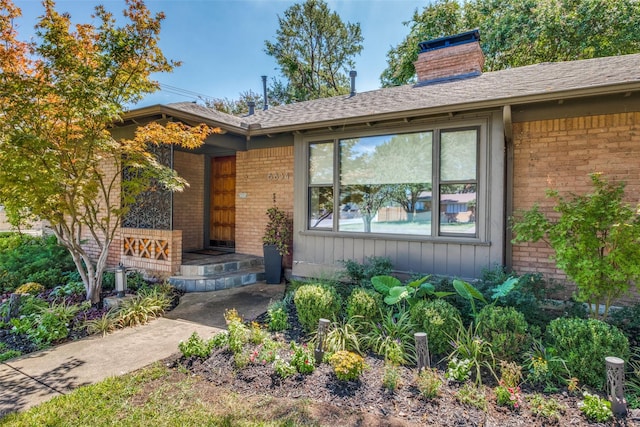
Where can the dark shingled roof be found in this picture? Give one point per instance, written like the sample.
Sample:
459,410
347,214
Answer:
533,83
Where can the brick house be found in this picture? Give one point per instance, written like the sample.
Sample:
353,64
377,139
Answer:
425,174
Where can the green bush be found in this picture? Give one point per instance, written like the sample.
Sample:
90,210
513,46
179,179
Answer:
361,273
438,319
506,330
31,288
278,317
393,338
25,258
364,303
143,307
596,408
314,302
347,366
196,346
584,343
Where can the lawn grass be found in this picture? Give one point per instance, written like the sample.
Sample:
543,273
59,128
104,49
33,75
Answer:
158,396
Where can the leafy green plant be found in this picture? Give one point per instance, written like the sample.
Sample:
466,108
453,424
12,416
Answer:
361,273
314,302
506,330
633,379
196,346
257,334
472,395
278,317
104,324
548,408
9,354
347,366
391,378
47,324
266,352
70,289
142,308
468,344
439,320
394,292
459,370
428,382
544,367
283,368
342,335
302,358
584,343
510,397
594,238
470,293
392,338
595,408
220,339
239,335
279,229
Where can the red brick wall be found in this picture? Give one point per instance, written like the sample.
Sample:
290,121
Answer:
260,174
188,205
450,61
560,154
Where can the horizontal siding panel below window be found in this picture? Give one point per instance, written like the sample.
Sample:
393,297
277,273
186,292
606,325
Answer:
428,257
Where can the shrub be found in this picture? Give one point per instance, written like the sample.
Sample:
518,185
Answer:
239,335
470,346
314,302
544,366
342,335
365,305
472,395
220,339
196,346
627,319
361,274
142,308
25,258
46,324
347,366
428,383
584,343
278,318
31,288
596,408
506,330
438,319
283,368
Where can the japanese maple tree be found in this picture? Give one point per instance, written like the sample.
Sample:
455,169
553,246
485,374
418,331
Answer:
59,96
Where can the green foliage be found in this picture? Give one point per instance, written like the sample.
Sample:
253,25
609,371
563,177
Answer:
47,323
633,379
143,307
472,395
392,338
439,320
596,408
470,346
459,370
239,335
394,292
342,335
548,408
279,229
302,358
9,354
278,317
362,273
584,343
25,258
505,329
220,339
314,49
31,288
544,367
594,239
516,33
70,289
347,366
364,305
196,346
428,383
314,302
283,368
510,397
391,377
468,292
627,319
104,324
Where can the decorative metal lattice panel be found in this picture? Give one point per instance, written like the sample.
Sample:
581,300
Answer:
153,208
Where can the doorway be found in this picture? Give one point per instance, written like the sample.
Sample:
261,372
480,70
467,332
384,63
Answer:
222,207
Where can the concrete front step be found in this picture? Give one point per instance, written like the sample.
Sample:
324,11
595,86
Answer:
207,266
216,282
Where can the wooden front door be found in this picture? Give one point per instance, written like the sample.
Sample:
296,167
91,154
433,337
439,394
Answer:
222,223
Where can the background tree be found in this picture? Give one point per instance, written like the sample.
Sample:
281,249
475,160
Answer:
59,96
522,32
596,239
314,50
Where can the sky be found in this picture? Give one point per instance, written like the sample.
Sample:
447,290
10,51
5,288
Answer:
221,42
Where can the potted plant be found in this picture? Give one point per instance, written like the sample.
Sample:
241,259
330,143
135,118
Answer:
276,242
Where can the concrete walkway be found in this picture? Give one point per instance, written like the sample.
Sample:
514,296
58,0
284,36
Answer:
37,377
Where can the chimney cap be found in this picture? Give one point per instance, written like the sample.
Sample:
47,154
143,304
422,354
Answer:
457,39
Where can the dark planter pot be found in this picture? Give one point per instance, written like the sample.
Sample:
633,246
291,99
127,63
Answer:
272,265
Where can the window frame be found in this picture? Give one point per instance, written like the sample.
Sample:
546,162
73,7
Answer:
480,123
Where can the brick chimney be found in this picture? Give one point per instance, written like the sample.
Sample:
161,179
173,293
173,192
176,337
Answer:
456,56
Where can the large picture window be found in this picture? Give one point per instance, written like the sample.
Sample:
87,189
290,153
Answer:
390,184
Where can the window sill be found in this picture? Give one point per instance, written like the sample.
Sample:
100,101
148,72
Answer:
472,241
